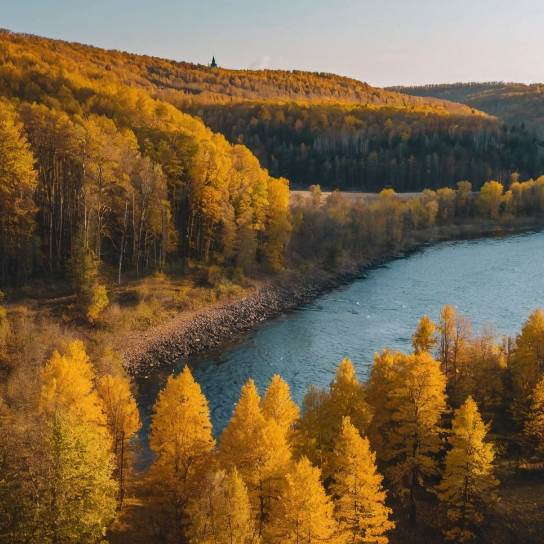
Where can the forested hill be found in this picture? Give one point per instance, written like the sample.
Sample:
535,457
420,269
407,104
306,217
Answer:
310,128
185,82
514,103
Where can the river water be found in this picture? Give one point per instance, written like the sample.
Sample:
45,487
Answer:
495,280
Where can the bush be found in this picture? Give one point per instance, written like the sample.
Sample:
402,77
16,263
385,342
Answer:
99,301
149,313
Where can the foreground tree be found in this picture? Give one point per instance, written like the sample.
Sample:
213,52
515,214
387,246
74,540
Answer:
78,489
527,365
415,403
123,420
359,499
534,425
469,485
221,514
181,437
278,405
304,514
258,449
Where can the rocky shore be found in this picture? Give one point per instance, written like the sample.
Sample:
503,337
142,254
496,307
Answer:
192,332
187,334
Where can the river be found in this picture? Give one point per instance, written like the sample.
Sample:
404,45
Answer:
494,280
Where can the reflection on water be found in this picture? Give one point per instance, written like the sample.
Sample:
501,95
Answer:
494,280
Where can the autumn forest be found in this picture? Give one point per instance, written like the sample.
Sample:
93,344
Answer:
139,194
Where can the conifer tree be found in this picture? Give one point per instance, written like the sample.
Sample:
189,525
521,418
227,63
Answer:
469,485
221,514
527,365
258,449
311,431
123,421
181,437
534,425
278,405
424,339
417,403
304,514
359,498
347,398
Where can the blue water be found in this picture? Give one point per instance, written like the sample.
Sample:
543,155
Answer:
492,280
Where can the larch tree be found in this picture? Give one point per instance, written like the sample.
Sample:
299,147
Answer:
181,437
424,338
311,431
278,405
411,443
123,421
304,514
221,514
469,485
527,364
258,449
534,424
359,498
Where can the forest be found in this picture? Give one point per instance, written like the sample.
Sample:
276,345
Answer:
419,452
516,104
133,189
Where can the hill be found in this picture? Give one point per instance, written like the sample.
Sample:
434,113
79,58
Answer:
308,127
514,103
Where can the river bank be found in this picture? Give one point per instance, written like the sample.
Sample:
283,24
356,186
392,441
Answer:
189,333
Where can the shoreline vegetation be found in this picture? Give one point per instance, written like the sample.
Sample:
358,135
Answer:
205,329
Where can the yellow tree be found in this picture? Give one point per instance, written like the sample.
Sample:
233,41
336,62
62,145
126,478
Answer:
490,200
123,420
424,338
359,497
411,440
79,490
346,398
311,429
379,387
258,449
181,437
534,425
469,485
17,183
304,513
68,386
221,514
278,405
527,365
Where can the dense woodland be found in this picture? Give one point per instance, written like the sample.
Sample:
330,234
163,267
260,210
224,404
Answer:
364,148
118,210
515,103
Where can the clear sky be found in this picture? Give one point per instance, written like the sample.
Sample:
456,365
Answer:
383,42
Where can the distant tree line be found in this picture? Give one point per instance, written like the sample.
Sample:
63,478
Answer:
364,148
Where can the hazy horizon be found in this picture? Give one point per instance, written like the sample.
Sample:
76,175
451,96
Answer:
384,44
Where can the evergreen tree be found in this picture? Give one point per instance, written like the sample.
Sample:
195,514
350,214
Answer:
278,405
534,424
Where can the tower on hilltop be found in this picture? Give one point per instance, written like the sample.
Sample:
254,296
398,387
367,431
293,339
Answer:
213,64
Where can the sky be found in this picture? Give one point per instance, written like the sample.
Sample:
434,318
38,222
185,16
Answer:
382,42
